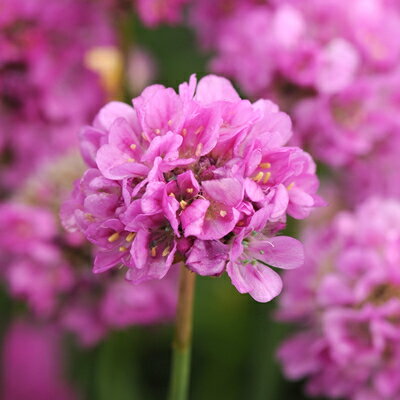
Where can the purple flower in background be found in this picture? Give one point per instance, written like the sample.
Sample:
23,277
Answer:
333,65
154,12
180,175
46,92
49,269
32,364
346,303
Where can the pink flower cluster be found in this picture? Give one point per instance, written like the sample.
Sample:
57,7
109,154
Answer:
49,270
334,63
46,92
199,176
346,304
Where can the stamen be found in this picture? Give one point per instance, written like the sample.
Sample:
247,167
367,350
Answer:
153,251
199,148
123,248
290,186
130,159
266,177
198,130
222,213
144,136
171,195
258,177
169,122
183,204
189,190
89,217
112,238
165,252
184,132
157,131
265,165
130,236
262,251
133,146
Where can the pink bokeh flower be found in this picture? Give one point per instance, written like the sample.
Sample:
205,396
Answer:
32,364
48,268
345,303
332,65
47,93
154,12
187,172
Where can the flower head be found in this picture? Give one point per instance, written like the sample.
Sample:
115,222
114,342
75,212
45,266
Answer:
347,303
184,174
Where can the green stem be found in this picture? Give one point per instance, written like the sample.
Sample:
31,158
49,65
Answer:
180,370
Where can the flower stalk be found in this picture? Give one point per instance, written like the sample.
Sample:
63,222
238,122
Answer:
180,369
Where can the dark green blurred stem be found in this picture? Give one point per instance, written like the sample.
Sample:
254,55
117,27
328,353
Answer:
180,369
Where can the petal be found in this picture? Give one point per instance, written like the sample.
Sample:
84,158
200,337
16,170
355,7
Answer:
110,112
114,164
193,216
140,249
228,191
280,251
261,282
105,260
214,88
165,146
207,257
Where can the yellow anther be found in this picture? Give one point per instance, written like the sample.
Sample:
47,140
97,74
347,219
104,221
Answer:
123,248
157,131
131,236
130,159
199,148
290,186
171,195
165,252
222,213
189,190
89,217
258,177
198,130
144,135
184,132
133,146
265,165
112,238
266,177
183,204
169,122
153,251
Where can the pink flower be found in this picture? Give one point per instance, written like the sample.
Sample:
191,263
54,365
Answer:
184,173
318,44
154,12
349,123
33,352
47,93
32,264
346,305
48,268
